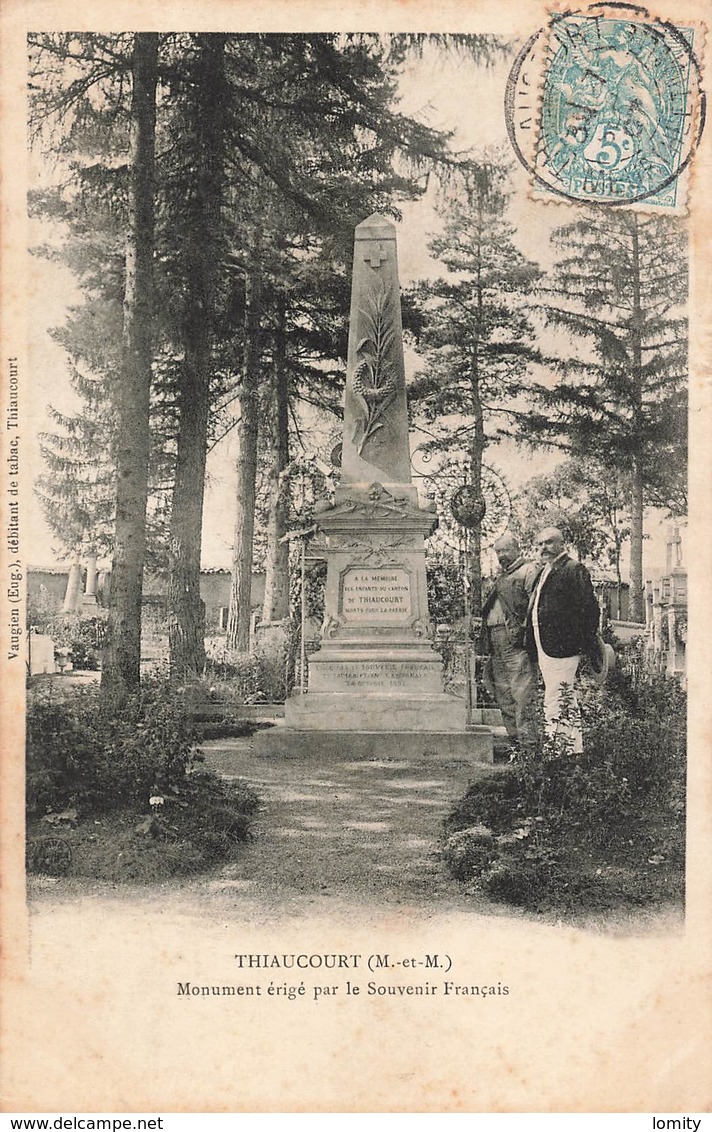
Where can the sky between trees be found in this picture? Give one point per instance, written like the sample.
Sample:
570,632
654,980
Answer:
447,93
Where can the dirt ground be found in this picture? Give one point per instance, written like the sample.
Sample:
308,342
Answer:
336,837
344,830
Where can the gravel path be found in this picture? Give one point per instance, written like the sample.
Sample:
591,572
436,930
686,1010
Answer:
339,829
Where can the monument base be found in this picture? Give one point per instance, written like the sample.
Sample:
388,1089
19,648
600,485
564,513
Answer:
387,711
475,746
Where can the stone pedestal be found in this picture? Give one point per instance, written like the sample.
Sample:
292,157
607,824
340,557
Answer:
352,711
466,746
376,668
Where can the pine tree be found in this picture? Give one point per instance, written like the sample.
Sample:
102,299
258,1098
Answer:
78,490
475,335
72,86
620,286
79,92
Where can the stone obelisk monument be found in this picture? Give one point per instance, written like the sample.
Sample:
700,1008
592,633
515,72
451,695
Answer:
376,670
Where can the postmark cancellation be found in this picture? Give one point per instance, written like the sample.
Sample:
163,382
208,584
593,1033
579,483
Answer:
605,105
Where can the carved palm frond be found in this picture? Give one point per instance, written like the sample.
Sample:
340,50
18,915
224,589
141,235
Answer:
374,379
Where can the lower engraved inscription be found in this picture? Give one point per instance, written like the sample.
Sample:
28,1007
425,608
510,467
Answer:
382,675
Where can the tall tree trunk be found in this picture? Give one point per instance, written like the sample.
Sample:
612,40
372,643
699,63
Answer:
186,613
477,447
121,668
637,612
619,581
238,624
637,609
478,441
186,617
276,599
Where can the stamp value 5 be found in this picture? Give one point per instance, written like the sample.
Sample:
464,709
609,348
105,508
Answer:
607,108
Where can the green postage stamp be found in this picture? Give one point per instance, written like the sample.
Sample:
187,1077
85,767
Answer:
606,106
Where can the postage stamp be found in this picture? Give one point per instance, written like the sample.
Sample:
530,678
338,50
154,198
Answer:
606,106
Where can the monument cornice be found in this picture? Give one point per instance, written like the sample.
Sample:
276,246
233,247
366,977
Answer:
377,507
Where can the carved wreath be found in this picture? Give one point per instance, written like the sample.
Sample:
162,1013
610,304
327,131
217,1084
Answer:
374,377
330,626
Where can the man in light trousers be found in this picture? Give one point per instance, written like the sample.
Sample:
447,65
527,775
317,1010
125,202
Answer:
562,626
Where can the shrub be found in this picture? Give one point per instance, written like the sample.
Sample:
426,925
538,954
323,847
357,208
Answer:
446,594
80,638
92,753
607,826
639,729
469,851
124,785
252,677
489,803
221,814
189,831
207,813
314,590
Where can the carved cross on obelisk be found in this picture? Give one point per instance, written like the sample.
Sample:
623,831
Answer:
375,440
376,256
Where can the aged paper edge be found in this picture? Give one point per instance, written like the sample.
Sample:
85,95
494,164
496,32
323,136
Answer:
696,948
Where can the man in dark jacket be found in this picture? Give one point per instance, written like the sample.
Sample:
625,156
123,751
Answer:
510,673
562,626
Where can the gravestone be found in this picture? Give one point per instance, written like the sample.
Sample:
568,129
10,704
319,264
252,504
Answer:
376,670
74,584
41,654
89,602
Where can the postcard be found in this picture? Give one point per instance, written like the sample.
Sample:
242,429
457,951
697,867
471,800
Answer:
356,373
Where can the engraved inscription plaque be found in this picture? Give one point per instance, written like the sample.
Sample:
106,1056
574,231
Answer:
381,596
384,676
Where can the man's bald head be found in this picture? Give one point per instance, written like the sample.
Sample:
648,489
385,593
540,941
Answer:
507,540
550,543
507,549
